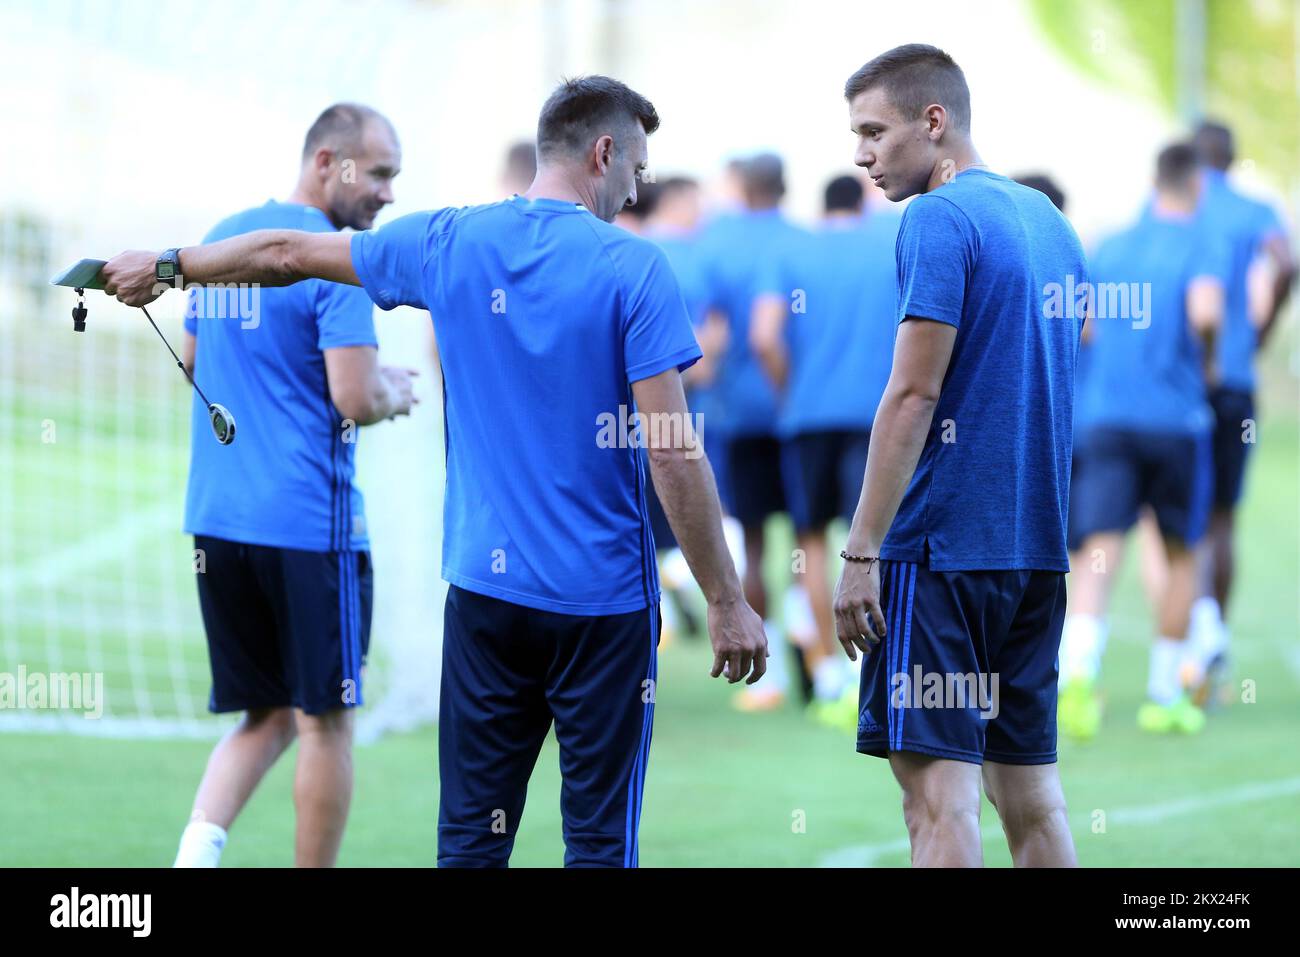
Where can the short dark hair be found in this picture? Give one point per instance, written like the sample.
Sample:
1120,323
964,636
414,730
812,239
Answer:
521,161
1176,166
1213,143
341,125
1045,185
578,109
914,76
647,198
650,193
763,177
844,193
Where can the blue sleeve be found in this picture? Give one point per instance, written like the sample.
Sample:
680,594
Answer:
935,255
390,260
344,316
657,333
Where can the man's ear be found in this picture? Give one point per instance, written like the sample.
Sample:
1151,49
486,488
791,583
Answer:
604,153
936,119
322,161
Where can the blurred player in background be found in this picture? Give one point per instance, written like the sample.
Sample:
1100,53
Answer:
552,323
1045,185
738,250
824,332
1147,424
276,517
955,562
520,167
1254,236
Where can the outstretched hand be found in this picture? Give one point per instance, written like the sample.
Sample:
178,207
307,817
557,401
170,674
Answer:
130,277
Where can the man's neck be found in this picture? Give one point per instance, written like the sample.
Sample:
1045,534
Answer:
961,157
304,195
1172,206
841,218
558,184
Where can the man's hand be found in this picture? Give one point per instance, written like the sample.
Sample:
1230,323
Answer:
130,277
739,642
859,622
402,383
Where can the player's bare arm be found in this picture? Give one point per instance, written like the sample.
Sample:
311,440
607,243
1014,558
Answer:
267,257
1205,303
1284,271
921,357
767,337
365,391
686,488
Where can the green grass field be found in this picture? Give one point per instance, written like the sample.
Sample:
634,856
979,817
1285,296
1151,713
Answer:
723,788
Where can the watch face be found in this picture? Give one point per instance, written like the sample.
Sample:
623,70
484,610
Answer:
166,270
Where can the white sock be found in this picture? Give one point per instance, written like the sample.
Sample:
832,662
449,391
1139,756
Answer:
798,614
1207,634
1083,641
734,533
778,661
673,570
1163,684
828,679
201,844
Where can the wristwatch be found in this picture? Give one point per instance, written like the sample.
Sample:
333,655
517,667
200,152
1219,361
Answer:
167,269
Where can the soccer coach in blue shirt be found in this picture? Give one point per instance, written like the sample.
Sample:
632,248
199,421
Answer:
553,327
954,578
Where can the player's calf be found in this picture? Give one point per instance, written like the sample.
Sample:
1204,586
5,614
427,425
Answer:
322,786
237,765
941,806
1031,806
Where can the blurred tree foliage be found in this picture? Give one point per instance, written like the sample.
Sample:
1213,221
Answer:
1251,64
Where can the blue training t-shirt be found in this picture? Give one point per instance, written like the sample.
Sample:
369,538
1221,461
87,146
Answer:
287,479
737,252
544,315
840,287
1146,370
991,489
1243,224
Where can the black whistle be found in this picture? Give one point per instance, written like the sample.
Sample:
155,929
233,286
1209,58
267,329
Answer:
79,312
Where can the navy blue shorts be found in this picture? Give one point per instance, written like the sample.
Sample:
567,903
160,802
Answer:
823,476
1119,470
507,672
755,473
1231,407
286,628
967,669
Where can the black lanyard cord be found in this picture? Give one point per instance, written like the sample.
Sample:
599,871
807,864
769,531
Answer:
179,364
